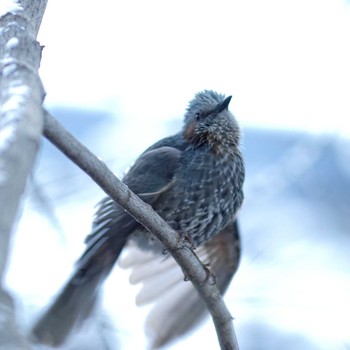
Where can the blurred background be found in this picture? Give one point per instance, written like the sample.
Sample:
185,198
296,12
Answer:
119,75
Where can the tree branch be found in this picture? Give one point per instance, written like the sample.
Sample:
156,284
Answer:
21,123
144,214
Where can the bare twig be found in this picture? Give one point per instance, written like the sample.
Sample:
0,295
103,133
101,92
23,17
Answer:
145,215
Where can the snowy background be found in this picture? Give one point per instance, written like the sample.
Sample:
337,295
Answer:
119,76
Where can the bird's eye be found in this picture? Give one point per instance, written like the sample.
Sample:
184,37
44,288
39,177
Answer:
197,116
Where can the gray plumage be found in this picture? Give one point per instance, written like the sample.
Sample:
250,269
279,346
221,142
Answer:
194,181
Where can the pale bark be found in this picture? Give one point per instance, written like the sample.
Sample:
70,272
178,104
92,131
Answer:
21,123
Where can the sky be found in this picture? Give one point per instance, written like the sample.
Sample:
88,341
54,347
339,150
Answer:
286,63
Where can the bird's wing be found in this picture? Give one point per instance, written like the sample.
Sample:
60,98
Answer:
153,172
110,230
177,307
151,175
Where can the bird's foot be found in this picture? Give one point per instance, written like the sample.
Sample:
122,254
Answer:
211,278
187,240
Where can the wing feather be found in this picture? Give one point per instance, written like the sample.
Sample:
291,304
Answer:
176,306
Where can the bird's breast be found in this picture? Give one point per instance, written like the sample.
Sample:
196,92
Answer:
206,194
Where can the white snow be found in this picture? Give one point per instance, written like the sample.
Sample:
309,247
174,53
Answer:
7,133
12,103
16,97
13,42
9,69
19,90
9,112
7,6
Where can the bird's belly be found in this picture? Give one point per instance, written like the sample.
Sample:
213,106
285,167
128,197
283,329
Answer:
203,213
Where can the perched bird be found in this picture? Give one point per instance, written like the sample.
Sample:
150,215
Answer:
193,180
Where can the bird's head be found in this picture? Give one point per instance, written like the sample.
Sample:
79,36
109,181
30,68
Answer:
208,120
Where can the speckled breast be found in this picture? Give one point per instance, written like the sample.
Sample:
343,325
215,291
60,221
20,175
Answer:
206,193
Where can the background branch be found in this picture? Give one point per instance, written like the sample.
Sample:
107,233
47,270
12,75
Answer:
144,214
21,122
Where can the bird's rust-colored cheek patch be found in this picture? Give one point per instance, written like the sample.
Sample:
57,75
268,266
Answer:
189,131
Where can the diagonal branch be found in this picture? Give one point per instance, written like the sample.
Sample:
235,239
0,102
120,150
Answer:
144,214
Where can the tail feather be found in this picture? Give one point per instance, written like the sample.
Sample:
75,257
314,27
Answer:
110,231
77,299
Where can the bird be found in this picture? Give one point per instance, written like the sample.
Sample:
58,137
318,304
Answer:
194,181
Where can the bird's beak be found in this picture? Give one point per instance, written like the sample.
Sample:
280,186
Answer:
224,104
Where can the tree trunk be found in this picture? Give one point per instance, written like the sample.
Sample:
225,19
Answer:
21,124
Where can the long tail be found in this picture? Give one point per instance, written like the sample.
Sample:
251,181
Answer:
76,301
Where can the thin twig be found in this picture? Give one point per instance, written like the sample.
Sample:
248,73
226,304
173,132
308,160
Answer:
145,215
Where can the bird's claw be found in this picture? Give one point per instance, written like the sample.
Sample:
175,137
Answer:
211,278
187,240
